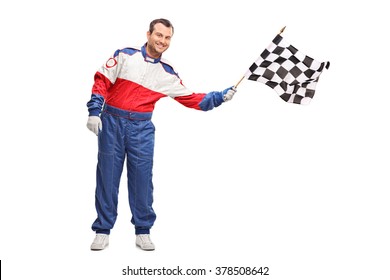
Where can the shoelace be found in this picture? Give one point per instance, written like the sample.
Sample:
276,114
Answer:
100,238
145,238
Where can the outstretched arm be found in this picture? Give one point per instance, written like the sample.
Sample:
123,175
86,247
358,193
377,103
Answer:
206,102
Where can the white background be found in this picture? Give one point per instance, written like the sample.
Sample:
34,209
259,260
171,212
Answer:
255,182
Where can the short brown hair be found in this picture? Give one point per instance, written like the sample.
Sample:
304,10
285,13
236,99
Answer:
164,21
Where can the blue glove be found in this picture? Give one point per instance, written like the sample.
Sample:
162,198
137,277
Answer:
229,93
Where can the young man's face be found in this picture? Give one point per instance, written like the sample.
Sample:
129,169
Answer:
158,40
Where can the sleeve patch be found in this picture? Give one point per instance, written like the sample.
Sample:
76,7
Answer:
111,63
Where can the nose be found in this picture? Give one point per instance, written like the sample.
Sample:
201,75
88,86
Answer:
164,41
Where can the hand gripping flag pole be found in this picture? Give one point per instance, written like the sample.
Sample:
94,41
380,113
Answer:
292,74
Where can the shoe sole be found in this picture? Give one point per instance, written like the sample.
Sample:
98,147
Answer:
99,249
145,249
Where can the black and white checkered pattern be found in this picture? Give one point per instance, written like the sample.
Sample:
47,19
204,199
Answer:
289,72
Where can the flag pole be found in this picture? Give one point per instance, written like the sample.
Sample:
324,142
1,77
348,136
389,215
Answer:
239,81
242,78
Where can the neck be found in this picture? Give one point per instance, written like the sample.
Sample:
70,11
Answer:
151,53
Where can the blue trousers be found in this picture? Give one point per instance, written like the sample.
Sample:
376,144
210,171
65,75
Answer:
125,135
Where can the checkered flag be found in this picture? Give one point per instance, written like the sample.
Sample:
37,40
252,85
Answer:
292,74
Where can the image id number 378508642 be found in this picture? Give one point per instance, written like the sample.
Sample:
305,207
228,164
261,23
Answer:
236,270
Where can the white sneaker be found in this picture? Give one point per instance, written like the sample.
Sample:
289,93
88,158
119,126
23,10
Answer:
100,242
143,241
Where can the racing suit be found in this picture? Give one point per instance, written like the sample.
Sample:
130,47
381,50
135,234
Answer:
125,91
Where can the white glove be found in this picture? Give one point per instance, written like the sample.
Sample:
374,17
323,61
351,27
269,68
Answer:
94,124
229,93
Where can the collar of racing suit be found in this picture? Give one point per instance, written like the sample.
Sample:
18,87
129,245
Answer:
148,58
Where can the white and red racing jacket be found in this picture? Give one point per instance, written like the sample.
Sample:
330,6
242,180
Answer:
132,81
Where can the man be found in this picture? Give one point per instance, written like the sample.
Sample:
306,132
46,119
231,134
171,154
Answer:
124,93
